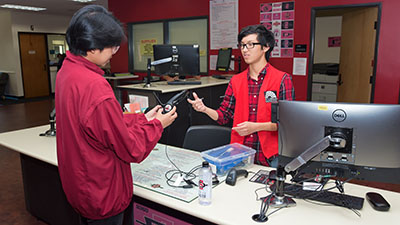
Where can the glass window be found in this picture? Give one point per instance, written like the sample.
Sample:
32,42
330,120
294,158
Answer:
191,32
144,36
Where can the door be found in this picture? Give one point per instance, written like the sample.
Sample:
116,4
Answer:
356,55
34,65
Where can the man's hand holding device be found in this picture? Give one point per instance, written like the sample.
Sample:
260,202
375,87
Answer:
166,119
151,115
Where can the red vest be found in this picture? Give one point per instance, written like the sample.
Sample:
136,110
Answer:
272,82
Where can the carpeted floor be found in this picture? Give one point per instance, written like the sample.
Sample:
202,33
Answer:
14,100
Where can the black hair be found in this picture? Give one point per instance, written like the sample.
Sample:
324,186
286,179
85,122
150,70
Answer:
93,27
264,36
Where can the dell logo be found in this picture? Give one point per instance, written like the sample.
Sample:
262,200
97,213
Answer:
174,49
339,115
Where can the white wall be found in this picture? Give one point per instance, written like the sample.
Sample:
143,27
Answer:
327,27
11,24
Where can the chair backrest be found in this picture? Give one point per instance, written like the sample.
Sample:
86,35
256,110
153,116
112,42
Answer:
204,137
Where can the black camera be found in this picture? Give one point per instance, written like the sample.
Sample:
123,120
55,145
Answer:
175,100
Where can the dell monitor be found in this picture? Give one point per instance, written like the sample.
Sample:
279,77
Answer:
224,59
181,60
364,139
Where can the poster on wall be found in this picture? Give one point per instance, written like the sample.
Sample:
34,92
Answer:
223,23
146,46
278,17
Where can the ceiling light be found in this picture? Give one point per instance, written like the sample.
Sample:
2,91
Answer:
22,7
83,0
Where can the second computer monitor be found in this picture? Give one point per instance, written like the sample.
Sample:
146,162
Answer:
365,144
185,59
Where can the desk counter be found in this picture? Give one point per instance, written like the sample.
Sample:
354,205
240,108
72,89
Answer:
230,204
237,204
164,87
125,77
28,142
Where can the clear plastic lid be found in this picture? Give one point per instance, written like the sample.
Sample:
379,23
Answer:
227,153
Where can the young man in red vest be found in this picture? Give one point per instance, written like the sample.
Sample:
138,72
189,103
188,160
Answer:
249,95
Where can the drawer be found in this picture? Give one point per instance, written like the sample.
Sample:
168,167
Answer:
318,97
324,78
325,88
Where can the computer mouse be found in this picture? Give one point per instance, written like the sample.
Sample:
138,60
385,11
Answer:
377,201
234,174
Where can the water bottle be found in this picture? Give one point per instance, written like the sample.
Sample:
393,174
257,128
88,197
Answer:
205,184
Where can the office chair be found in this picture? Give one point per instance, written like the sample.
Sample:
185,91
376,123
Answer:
204,137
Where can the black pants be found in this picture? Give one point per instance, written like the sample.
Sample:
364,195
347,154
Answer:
124,218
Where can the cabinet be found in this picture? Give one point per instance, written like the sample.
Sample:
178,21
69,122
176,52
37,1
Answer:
324,87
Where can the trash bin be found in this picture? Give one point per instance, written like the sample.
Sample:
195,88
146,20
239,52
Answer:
3,83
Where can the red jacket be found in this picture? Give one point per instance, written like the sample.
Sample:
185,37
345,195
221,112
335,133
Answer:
272,82
96,142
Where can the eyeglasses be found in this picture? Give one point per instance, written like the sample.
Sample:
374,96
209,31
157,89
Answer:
248,45
114,49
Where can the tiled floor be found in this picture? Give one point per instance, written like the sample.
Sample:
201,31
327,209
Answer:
14,117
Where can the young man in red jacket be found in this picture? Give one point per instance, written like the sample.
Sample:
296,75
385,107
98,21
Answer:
249,95
96,142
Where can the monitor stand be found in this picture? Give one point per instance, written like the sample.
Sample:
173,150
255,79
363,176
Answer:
278,198
148,80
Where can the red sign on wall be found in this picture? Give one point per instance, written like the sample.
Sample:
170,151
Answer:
334,41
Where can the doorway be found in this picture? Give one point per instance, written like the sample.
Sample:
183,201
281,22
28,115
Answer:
57,48
343,64
34,64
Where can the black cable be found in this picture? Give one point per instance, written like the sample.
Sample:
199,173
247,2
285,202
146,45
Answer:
264,207
340,187
276,210
255,191
252,172
189,175
166,154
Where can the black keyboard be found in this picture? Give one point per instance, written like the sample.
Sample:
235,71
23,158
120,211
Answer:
178,82
218,76
347,201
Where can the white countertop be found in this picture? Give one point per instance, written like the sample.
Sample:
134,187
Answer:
163,87
5,71
230,204
237,204
121,77
28,142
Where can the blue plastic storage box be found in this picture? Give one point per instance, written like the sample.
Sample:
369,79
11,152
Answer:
229,156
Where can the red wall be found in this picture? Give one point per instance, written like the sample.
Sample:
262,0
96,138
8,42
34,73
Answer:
388,63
